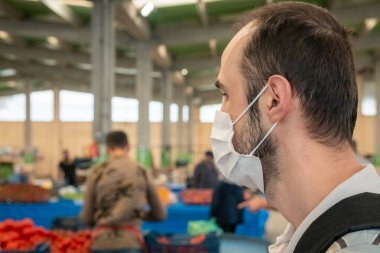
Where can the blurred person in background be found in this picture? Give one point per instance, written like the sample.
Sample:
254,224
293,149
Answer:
255,203
205,173
117,193
224,206
67,168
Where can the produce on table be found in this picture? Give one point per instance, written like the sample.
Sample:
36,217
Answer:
197,196
24,235
164,194
66,241
24,193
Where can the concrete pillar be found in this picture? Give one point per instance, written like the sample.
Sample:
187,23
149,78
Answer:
181,131
168,93
376,77
28,123
57,129
189,125
166,124
103,63
144,92
56,91
144,89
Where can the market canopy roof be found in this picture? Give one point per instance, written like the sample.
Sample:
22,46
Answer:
49,41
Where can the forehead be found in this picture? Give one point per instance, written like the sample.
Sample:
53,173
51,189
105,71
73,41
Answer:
235,47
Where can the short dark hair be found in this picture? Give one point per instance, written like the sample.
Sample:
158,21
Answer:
116,139
312,50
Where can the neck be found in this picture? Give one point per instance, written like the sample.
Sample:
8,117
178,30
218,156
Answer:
309,171
116,153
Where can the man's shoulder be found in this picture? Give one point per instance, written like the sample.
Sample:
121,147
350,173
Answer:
127,166
120,167
98,168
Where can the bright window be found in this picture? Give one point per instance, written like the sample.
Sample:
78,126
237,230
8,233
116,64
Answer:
125,109
76,106
369,105
42,106
156,111
173,113
185,113
207,112
12,108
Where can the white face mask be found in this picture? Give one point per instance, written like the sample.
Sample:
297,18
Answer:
244,170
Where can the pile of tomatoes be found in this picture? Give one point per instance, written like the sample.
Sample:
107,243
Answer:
24,235
73,242
197,196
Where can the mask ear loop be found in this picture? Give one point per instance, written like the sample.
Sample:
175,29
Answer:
250,104
266,135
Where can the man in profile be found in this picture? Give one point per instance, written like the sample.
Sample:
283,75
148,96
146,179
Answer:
289,110
117,193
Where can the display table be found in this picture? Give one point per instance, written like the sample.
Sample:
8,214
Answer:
42,214
178,216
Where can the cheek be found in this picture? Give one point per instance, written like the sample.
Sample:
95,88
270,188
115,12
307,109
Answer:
228,107
234,109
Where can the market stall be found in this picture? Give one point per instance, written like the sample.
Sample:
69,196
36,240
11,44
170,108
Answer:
43,214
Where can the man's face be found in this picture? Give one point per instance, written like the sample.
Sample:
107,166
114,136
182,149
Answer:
233,88
249,130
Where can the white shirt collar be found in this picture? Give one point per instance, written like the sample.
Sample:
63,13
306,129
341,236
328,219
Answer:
366,180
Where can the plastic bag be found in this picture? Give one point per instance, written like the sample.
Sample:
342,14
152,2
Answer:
203,227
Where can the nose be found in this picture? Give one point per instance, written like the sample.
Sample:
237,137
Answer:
223,108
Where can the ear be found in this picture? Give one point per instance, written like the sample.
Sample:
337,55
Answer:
127,148
278,98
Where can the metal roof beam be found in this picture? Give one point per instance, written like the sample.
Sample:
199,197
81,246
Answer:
10,11
197,81
36,29
63,11
161,56
57,73
61,74
201,6
9,78
73,79
71,34
129,18
196,64
63,57
193,34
